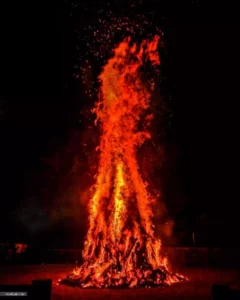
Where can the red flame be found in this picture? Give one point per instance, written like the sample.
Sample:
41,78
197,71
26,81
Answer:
121,248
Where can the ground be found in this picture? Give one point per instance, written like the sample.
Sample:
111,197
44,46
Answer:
198,286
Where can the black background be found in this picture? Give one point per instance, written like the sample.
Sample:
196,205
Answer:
40,104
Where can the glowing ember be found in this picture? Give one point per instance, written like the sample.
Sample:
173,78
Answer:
121,248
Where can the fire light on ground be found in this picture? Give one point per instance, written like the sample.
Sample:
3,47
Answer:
121,247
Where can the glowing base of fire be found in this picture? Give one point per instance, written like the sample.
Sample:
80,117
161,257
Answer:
89,277
138,262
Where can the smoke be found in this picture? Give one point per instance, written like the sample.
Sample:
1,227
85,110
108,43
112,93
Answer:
152,157
33,216
165,232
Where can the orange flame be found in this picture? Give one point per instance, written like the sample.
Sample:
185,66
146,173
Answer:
121,246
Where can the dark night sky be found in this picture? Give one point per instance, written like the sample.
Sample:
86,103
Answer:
39,100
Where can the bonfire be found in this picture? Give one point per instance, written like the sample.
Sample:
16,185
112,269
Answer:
121,248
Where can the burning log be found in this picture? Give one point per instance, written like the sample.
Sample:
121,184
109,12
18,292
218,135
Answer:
130,250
